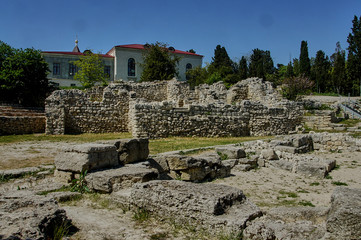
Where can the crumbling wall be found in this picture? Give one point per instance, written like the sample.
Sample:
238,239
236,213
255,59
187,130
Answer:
171,108
21,124
154,120
74,111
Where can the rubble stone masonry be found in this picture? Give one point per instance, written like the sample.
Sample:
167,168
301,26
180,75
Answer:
171,108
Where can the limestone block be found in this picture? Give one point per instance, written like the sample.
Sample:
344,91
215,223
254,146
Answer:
132,150
231,152
194,174
87,156
344,217
178,162
281,164
311,168
269,154
285,149
118,178
159,163
211,205
230,162
250,161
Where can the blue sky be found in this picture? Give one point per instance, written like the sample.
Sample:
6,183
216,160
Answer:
239,26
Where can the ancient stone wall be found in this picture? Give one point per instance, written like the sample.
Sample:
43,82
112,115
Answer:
171,108
21,124
164,119
74,111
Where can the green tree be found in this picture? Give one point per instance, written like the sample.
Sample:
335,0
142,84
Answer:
320,72
197,76
296,67
305,64
338,70
221,64
159,63
91,70
290,72
243,68
261,64
354,56
23,76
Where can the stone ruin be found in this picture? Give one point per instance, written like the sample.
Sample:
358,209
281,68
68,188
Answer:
171,108
124,169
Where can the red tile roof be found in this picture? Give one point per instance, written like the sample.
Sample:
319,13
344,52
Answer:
141,46
76,53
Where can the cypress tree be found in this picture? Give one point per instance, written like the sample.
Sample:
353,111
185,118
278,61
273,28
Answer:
321,69
305,64
243,68
338,71
354,56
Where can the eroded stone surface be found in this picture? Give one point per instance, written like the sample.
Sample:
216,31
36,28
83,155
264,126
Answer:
118,178
210,205
25,215
87,156
344,218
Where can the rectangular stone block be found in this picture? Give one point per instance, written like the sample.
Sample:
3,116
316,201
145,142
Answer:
88,156
231,152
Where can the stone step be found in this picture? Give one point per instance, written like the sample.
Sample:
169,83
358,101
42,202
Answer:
115,179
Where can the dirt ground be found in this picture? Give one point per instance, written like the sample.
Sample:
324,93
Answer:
98,218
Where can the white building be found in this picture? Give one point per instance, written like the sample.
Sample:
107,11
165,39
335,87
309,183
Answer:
122,62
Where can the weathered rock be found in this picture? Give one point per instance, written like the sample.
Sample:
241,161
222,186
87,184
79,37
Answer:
14,173
230,162
285,149
316,215
188,168
272,230
25,215
231,152
243,167
210,205
132,150
315,169
344,218
282,164
88,156
118,178
269,154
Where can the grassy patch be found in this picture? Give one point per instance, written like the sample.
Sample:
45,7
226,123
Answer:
180,143
314,184
289,194
350,122
223,156
328,177
62,189
85,137
141,215
306,203
337,183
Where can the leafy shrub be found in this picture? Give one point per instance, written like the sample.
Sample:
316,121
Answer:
79,184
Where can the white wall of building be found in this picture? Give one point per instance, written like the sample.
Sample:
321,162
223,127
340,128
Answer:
122,55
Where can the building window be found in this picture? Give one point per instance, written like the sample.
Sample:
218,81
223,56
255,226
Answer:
72,69
107,71
72,85
131,67
56,68
188,67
